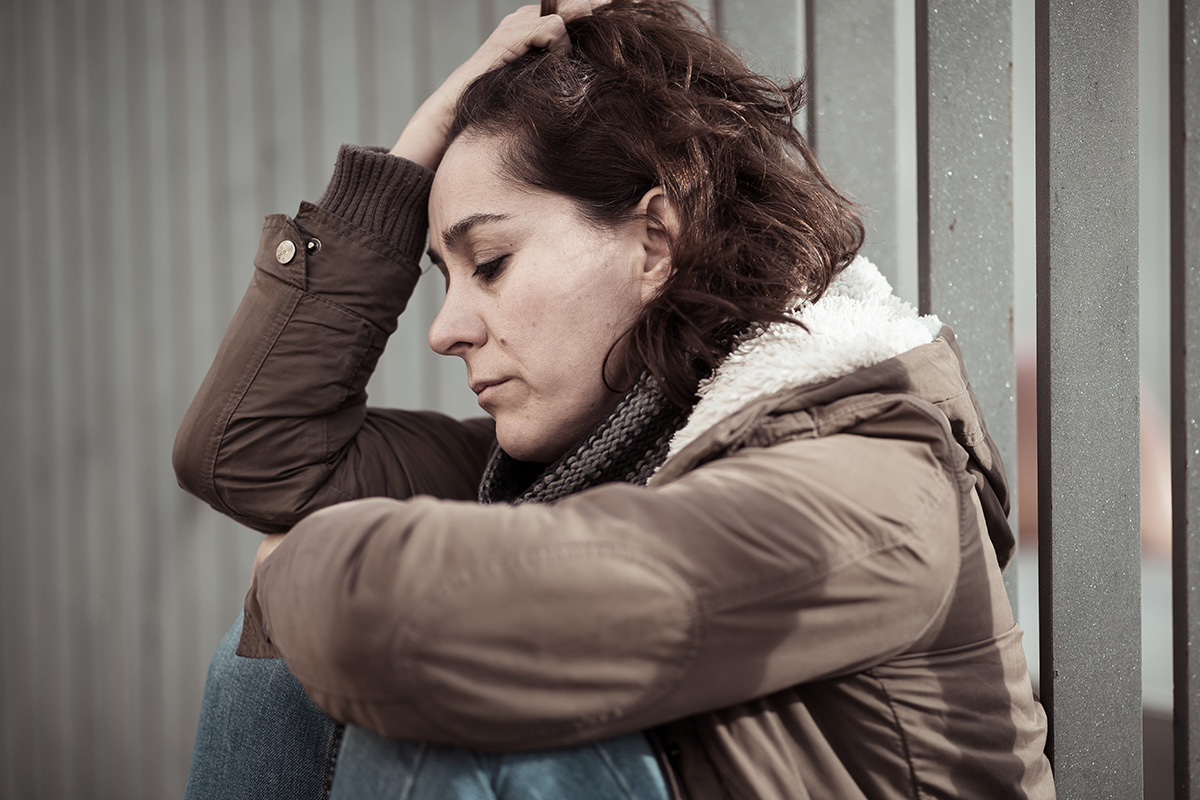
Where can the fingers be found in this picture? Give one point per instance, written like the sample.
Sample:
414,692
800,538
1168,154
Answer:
523,30
549,33
527,28
423,139
572,9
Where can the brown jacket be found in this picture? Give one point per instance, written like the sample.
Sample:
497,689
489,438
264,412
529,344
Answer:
803,603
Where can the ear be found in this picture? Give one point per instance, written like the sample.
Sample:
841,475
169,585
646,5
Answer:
658,228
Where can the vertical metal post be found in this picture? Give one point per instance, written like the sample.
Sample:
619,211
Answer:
852,63
1184,58
1088,485
964,198
12,626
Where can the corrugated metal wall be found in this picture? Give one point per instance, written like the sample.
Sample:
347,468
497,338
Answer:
143,142
142,145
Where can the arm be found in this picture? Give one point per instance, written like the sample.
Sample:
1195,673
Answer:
619,608
280,426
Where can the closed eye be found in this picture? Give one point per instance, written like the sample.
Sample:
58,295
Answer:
490,270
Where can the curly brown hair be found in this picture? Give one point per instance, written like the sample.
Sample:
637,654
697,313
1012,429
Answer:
649,96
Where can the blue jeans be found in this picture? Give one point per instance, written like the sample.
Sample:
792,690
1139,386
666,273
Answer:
261,737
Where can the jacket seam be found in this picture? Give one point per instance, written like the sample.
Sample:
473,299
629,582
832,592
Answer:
949,472
361,235
261,355
249,374
949,594
362,358
328,453
973,434
338,307
787,583
900,732
849,411
966,647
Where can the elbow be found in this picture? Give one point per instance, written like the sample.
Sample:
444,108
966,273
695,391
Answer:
194,459
220,468
187,459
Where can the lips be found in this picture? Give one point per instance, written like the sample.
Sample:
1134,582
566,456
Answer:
478,386
484,389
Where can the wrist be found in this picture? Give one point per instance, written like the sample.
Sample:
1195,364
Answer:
423,139
420,146
384,196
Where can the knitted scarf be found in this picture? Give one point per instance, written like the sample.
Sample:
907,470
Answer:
627,446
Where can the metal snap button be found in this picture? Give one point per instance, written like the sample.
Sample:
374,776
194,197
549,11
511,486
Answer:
312,246
285,252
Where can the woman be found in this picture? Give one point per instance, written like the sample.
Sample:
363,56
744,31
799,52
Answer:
735,509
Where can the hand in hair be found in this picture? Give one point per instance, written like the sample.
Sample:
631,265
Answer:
424,137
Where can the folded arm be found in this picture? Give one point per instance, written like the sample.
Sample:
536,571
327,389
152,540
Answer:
280,426
619,608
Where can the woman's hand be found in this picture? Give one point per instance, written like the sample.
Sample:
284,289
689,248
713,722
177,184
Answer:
424,138
269,543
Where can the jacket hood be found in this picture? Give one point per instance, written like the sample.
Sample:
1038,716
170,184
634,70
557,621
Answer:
858,338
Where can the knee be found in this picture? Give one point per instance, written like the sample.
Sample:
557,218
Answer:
234,679
225,661
252,686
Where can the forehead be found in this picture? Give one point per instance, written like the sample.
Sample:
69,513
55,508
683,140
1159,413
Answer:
469,180
471,186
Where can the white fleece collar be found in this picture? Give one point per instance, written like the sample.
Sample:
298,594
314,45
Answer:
858,322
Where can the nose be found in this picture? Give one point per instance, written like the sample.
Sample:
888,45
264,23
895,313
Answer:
458,327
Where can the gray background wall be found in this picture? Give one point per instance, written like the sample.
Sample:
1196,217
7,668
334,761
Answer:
142,144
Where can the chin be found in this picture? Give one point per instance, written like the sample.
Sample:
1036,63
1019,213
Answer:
527,446
527,451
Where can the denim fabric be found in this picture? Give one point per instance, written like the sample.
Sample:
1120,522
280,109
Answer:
373,768
261,737
259,734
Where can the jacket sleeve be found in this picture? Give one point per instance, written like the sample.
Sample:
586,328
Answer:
280,425
619,608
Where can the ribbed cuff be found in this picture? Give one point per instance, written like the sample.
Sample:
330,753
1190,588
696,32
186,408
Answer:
382,194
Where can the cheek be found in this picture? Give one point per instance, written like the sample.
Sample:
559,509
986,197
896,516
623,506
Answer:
562,315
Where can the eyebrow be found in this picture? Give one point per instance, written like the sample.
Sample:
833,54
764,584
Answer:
456,233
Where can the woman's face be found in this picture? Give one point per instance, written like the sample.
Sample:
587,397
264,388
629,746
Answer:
535,297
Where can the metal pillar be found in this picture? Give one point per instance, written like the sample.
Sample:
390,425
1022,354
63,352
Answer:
1088,460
